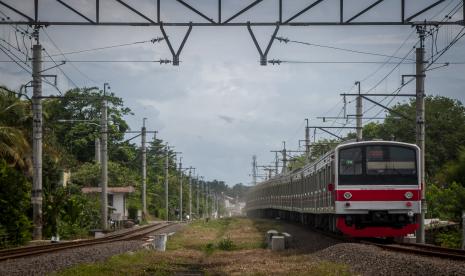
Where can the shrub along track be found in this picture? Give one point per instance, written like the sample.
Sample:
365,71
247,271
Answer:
50,248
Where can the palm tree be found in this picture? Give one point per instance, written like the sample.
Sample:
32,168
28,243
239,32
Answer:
14,143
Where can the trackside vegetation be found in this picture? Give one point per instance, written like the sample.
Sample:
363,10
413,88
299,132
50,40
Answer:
230,246
69,147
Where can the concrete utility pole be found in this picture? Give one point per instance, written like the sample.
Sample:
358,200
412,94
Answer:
166,181
36,198
359,113
197,190
284,158
97,150
190,193
104,159
254,170
206,200
180,189
276,163
307,139
144,170
420,127
155,180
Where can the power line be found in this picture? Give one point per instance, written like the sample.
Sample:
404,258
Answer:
278,61
62,71
75,67
286,40
161,61
153,40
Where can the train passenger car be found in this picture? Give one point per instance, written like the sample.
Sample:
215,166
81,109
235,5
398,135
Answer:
362,189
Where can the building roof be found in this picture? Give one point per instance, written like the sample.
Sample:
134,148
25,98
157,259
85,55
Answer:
110,190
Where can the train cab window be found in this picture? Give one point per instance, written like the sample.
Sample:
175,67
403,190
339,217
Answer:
350,161
390,160
378,165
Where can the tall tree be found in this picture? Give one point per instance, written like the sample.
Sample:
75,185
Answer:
15,116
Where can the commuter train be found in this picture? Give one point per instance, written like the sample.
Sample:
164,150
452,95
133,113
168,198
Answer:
359,189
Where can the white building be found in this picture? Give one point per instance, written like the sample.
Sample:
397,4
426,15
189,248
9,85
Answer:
233,207
117,200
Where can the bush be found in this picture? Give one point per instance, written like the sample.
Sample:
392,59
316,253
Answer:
209,248
226,244
451,239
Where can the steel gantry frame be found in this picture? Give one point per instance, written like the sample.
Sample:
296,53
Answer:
238,18
155,19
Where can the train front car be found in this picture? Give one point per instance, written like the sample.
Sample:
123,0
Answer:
377,188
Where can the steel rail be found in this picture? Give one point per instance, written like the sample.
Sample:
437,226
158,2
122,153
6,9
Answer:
41,249
409,248
422,249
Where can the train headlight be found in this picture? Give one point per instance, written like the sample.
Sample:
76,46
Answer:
347,195
408,195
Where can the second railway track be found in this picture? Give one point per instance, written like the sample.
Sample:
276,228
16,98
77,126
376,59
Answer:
423,249
48,248
410,248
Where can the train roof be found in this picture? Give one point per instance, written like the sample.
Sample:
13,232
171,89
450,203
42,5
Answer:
371,142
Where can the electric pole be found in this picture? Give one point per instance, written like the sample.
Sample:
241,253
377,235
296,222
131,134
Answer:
284,158
206,200
190,193
166,181
104,159
155,180
144,170
197,190
420,127
254,170
36,198
276,163
180,189
97,150
307,139
359,113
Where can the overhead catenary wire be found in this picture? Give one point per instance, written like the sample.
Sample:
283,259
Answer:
63,55
453,11
153,40
61,70
286,40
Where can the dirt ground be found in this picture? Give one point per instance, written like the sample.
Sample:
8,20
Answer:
233,246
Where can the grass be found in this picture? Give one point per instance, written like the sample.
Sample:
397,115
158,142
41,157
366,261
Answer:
230,246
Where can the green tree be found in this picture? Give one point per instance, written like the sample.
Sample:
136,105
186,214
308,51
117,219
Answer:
14,204
445,129
453,171
446,202
14,117
83,105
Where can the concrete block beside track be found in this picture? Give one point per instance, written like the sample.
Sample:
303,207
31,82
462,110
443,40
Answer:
269,234
277,243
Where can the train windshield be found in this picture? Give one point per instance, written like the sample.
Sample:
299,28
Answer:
378,165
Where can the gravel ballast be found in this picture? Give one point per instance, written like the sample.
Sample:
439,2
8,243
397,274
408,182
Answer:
372,260
368,259
46,263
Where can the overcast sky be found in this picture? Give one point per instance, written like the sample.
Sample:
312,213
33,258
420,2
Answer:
220,107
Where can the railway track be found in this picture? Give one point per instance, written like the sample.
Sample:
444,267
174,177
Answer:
411,248
422,249
48,248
